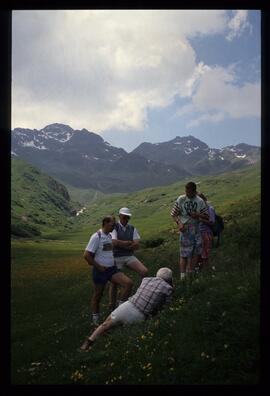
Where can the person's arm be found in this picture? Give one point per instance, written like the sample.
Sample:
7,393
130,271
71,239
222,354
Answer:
90,251
118,243
175,212
207,221
136,240
166,299
200,216
202,213
122,244
89,257
135,244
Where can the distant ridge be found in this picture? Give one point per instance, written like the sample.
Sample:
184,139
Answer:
83,159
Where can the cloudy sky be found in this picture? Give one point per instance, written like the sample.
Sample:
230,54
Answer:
139,76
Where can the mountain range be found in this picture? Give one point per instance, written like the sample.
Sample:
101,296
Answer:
83,159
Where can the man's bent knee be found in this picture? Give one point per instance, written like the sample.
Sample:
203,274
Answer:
128,283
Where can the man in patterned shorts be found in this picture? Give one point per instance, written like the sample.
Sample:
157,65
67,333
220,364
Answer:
187,212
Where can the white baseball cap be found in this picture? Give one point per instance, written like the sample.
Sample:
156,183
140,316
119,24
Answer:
125,211
165,273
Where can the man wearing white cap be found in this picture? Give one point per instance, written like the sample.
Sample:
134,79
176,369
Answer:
125,239
152,294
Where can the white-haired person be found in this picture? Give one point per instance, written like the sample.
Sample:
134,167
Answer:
125,239
149,298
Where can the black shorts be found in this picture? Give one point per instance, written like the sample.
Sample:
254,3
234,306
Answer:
103,277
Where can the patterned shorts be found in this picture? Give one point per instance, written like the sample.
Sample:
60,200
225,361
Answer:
207,238
190,241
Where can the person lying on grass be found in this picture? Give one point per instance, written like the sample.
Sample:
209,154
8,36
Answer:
151,295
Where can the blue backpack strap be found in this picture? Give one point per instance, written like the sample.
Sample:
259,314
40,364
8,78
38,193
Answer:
99,234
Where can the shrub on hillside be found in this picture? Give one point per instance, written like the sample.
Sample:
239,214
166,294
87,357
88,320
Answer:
151,243
24,230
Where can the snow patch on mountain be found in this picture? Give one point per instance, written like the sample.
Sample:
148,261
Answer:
188,151
31,143
240,156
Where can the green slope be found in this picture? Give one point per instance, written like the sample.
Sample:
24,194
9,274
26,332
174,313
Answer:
210,333
151,207
38,202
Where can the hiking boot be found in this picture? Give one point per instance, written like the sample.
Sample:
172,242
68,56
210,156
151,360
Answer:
86,345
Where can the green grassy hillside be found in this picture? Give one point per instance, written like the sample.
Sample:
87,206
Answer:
208,335
83,195
38,202
151,207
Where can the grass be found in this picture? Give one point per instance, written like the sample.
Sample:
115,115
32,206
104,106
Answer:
38,202
208,335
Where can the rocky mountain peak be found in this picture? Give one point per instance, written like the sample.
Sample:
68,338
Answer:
83,159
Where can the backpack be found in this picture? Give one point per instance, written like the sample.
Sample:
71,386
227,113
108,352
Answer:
218,225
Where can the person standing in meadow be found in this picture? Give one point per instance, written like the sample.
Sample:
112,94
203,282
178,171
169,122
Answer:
125,239
206,234
150,297
187,212
99,255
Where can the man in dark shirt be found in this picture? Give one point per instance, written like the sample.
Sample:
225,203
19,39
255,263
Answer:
125,239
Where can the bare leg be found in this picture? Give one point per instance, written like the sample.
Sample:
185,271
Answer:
138,267
194,262
199,265
98,292
183,267
112,295
121,279
105,326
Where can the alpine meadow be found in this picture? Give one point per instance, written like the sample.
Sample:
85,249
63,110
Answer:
208,334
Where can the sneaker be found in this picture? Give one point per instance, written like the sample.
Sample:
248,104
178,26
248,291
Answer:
86,345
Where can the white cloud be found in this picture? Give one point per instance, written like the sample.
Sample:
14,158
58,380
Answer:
213,118
104,68
218,96
238,24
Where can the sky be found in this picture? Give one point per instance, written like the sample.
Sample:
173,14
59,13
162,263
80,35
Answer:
141,75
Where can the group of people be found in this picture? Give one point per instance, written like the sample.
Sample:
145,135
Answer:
112,248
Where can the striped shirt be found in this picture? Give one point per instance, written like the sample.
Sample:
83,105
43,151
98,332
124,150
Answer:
151,295
184,206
